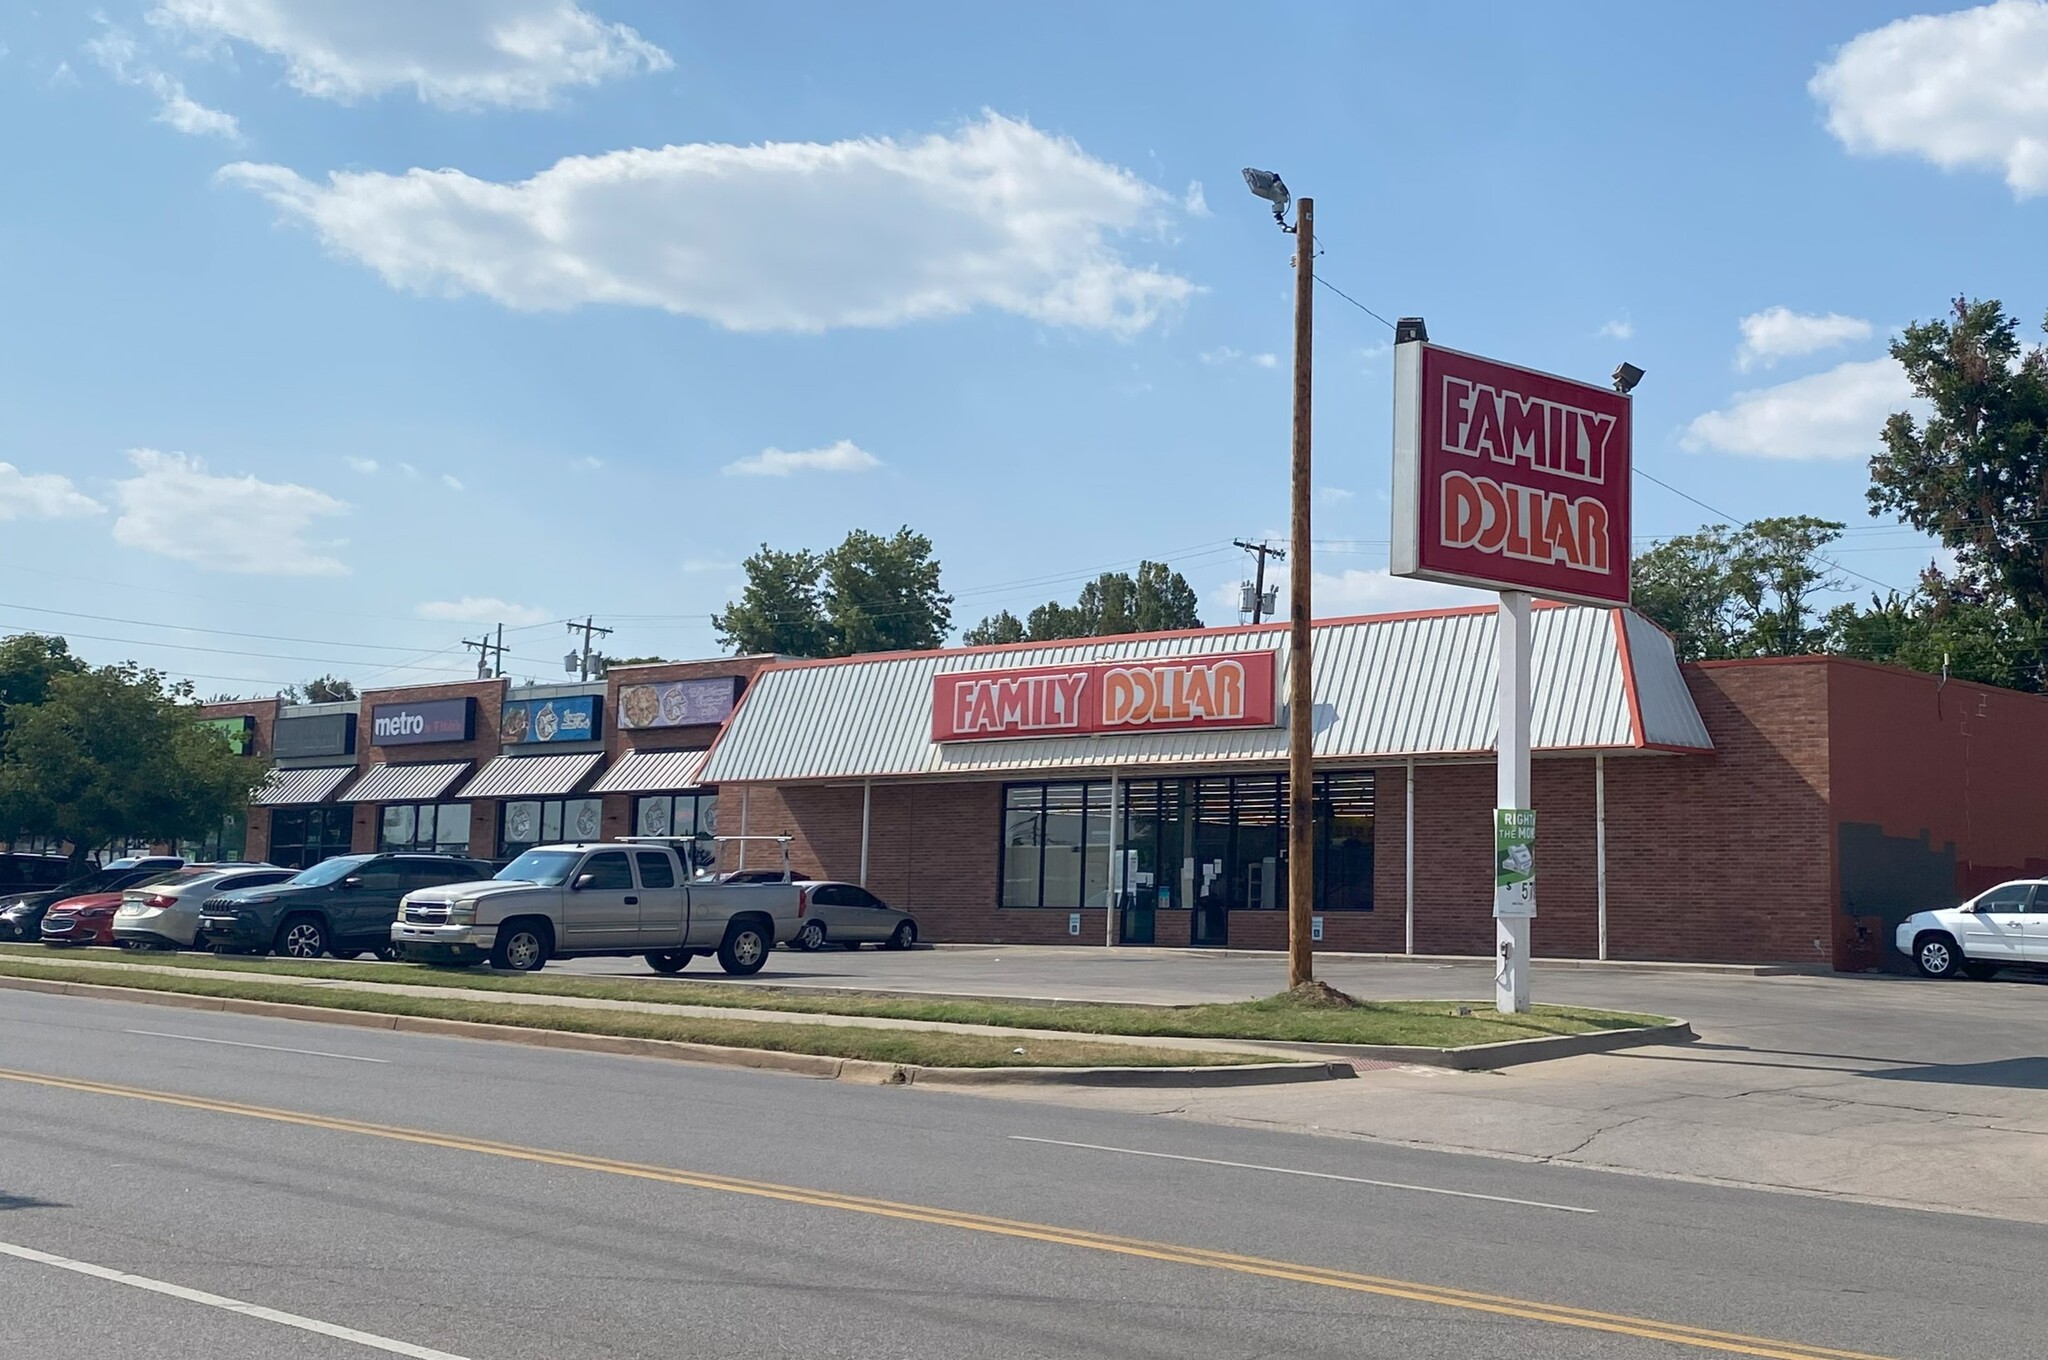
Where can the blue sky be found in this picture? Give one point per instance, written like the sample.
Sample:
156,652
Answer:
334,333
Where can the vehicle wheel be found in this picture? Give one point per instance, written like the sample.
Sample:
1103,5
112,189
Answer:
522,947
1979,971
301,937
745,951
1937,956
670,960
811,937
905,936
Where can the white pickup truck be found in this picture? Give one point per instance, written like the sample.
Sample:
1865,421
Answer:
599,899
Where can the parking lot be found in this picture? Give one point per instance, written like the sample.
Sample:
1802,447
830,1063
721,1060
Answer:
1896,1089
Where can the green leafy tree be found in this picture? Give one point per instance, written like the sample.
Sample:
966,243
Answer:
1974,474
321,689
1726,592
1945,626
112,753
883,594
778,610
995,630
1156,600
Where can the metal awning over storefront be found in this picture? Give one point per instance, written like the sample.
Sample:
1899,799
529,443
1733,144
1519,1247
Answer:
406,783
531,776
653,772
286,788
1397,686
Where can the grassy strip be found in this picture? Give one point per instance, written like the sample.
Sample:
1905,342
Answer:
1424,1024
929,1048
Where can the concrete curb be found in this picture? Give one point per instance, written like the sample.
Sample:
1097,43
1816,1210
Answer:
767,1060
1542,965
1508,1053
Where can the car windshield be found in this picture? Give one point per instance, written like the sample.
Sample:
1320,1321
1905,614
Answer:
328,871
549,868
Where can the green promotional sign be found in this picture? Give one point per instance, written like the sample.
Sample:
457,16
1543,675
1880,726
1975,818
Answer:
240,732
1514,862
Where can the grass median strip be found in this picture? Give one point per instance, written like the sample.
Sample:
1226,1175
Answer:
928,1048
1423,1024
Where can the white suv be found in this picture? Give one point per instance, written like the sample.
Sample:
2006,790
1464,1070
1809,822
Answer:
2006,927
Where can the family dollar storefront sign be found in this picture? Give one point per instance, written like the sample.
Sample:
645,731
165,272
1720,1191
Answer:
1509,479
1232,689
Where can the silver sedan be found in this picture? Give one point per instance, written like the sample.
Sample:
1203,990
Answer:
166,911
848,915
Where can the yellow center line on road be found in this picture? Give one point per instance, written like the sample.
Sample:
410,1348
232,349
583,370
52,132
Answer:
1562,1315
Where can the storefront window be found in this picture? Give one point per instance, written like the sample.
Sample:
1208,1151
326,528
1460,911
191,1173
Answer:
442,827
526,824
684,815
300,837
1217,843
224,842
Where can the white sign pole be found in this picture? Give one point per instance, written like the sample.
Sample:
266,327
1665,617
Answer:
1512,907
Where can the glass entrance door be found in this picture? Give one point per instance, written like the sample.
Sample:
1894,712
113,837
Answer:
1204,882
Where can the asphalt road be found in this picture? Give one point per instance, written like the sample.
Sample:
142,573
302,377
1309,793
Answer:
362,1181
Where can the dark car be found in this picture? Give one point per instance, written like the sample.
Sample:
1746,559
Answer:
342,906
21,918
20,873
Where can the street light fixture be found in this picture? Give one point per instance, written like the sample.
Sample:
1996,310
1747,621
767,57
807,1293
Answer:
1300,702
1626,376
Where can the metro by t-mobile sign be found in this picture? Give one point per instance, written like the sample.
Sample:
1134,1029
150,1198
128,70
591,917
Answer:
1509,479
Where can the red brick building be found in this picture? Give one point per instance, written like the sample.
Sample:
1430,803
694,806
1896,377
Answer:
1772,811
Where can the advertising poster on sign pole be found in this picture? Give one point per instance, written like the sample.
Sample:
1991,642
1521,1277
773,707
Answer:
1516,481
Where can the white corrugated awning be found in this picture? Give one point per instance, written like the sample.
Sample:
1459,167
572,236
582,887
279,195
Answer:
283,788
652,772
531,776
406,783
1402,685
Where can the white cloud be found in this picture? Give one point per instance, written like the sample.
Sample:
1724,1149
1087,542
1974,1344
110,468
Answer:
451,482
366,466
1621,328
1333,495
586,463
482,609
842,456
454,53
1194,202
696,565
116,51
1836,414
408,469
1224,354
1779,332
1356,591
783,236
1962,90
175,507
41,495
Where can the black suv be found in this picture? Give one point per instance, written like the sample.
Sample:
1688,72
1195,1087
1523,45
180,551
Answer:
342,906
21,913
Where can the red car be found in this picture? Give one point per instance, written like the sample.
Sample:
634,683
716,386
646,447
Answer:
88,919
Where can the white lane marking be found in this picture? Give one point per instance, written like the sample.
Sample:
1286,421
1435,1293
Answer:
254,1310
268,1048
1317,1175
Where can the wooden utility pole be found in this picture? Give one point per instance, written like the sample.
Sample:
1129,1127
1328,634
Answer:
1301,841
581,661
490,656
1262,552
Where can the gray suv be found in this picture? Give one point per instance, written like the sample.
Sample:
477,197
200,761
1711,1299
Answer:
342,906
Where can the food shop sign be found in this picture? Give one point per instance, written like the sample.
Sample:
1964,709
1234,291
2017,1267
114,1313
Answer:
678,703
1509,479
573,718
1163,695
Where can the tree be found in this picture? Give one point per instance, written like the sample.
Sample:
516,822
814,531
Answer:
1156,600
1975,474
110,754
995,630
1726,592
883,595
611,661
869,594
1944,627
778,610
322,689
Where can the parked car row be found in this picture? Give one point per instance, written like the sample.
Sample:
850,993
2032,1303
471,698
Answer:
596,899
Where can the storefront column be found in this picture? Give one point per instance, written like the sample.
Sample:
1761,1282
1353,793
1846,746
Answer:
1116,859
744,790
1408,858
867,803
1600,845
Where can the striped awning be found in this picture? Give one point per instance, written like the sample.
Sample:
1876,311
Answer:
406,783
531,776
283,788
652,772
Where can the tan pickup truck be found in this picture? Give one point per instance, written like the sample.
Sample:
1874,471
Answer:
596,899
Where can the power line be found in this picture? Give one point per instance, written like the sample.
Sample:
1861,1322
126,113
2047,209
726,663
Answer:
1737,519
1354,301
